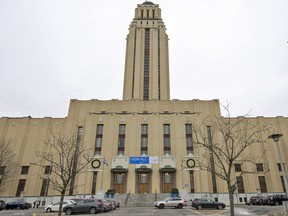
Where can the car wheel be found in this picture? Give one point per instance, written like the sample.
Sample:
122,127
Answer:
48,210
161,206
92,210
276,203
199,207
180,206
69,211
18,208
220,207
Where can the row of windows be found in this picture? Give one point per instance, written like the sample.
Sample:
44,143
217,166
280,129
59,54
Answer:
25,170
259,167
144,139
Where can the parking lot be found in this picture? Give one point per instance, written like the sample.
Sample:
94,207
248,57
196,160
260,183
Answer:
242,210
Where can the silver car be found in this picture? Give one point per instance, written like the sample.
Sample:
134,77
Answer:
176,202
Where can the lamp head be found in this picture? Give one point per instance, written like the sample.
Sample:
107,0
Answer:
275,137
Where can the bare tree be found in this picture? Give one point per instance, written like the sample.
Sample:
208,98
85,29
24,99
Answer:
7,164
67,157
226,141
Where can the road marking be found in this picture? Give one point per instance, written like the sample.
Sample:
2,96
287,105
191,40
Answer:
212,214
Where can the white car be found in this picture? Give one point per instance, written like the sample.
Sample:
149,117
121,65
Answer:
176,202
55,206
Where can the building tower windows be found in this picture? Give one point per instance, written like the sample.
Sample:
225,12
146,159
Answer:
146,65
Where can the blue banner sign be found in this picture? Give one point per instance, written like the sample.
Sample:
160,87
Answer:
139,160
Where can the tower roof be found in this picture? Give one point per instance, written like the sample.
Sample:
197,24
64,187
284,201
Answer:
147,3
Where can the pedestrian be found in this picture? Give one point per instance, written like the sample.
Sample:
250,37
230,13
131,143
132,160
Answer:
34,203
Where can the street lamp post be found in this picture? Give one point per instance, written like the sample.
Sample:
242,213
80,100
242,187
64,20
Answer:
276,138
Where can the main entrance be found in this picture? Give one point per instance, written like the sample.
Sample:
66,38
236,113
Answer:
143,182
167,181
119,182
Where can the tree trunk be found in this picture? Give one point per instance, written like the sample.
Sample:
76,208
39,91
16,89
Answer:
61,203
231,200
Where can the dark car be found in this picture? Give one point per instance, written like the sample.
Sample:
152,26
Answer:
254,200
2,205
276,199
207,203
92,206
18,205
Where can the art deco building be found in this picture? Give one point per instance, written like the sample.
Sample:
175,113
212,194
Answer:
146,123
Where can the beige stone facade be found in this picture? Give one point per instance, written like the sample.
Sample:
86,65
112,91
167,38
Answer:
137,126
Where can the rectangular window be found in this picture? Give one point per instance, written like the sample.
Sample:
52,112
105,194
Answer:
144,139
240,184
209,137
279,167
192,184
99,138
167,141
21,187
259,167
44,188
283,184
121,139
47,169
262,183
189,144
24,170
237,167
94,181
2,170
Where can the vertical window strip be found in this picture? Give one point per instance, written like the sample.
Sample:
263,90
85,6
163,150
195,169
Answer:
73,175
146,65
167,141
192,183
144,139
214,183
134,62
159,78
94,181
99,138
121,139
189,142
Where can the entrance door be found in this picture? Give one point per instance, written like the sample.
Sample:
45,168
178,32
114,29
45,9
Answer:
120,182
168,182
143,182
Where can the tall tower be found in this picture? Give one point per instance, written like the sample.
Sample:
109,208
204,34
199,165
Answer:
147,58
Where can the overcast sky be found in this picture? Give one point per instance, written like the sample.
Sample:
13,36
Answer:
52,51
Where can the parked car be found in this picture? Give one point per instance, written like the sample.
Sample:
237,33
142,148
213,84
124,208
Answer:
55,206
263,200
18,205
92,206
254,200
276,199
115,203
207,203
2,205
176,202
108,205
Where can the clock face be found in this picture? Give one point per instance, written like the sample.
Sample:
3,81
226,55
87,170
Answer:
190,163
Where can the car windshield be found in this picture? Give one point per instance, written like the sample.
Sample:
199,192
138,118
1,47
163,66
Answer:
167,199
